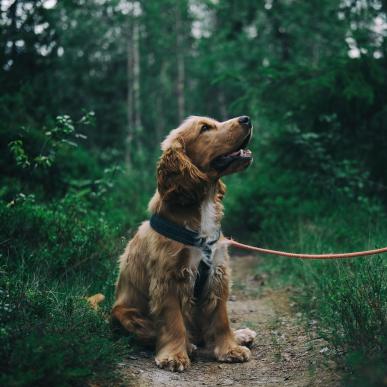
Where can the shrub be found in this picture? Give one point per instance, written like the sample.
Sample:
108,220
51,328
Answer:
49,335
64,217
348,297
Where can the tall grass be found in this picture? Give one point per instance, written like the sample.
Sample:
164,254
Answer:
64,219
53,255
62,227
348,297
285,203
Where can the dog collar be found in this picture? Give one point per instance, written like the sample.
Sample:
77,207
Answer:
192,238
181,234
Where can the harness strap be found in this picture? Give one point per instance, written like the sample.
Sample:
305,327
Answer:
192,238
201,278
174,231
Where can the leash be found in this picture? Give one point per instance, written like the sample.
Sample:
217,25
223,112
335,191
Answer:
355,254
193,238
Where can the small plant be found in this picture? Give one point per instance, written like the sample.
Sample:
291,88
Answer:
348,297
58,245
61,135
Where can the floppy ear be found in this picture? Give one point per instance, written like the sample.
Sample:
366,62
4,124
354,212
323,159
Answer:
178,179
220,189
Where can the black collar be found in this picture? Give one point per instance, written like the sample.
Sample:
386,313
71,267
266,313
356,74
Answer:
181,234
192,238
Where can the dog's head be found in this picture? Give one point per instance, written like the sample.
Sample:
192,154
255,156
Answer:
199,152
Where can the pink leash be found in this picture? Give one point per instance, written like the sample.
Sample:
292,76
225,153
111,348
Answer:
355,254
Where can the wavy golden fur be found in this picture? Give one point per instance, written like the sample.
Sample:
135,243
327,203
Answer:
154,291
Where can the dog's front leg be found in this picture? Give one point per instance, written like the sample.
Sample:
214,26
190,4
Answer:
171,348
216,326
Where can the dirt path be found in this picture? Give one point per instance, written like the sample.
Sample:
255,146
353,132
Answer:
284,353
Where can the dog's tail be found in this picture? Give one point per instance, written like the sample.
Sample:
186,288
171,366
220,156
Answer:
95,300
134,322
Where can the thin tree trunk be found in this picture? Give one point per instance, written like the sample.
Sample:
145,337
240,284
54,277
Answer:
279,33
133,93
180,64
222,105
130,113
159,122
13,16
136,75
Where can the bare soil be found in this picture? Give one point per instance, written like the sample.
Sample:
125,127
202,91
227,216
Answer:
285,353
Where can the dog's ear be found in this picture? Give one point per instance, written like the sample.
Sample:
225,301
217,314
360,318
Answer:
220,189
178,179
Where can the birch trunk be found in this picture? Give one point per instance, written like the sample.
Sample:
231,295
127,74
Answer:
136,75
180,65
133,93
130,113
222,105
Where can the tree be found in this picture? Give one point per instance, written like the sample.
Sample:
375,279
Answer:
134,97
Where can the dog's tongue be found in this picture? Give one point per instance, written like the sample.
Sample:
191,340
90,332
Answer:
240,152
236,153
223,162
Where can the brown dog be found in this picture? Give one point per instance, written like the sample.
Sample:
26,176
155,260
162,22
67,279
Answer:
155,296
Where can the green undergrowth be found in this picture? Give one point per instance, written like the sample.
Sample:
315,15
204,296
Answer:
347,297
52,256
66,212
64,219
284,202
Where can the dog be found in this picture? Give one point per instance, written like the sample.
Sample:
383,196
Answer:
174,275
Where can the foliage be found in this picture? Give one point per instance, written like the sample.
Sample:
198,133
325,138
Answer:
50,335
58,247
310,74
348,297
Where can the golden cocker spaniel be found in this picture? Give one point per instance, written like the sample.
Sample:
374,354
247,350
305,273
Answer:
174,275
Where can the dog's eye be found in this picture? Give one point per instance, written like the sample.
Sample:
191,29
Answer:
204,128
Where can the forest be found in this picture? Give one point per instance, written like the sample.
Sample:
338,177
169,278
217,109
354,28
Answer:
89,89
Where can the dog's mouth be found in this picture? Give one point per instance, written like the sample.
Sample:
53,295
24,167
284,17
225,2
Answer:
241,156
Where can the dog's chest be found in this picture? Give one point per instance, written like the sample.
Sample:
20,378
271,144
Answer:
209,229
208,224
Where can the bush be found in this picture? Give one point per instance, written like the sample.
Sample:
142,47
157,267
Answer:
49,335
64,218
348,297
279,204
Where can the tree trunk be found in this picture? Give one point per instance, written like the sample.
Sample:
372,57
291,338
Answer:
180,64
130,113
136,75
222,105
279,32
13,16
133,89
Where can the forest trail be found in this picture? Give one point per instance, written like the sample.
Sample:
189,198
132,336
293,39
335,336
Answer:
284,352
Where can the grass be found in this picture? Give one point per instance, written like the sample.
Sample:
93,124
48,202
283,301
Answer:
62,228
54,254
49,335
348,297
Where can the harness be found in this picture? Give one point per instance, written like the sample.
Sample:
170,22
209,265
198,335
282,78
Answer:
192,238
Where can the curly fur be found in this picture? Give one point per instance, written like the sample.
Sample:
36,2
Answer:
154,291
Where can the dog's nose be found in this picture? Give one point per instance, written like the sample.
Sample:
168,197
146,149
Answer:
244,120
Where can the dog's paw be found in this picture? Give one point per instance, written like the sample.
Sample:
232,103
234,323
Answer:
191,348
237,354
245,336
176,362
